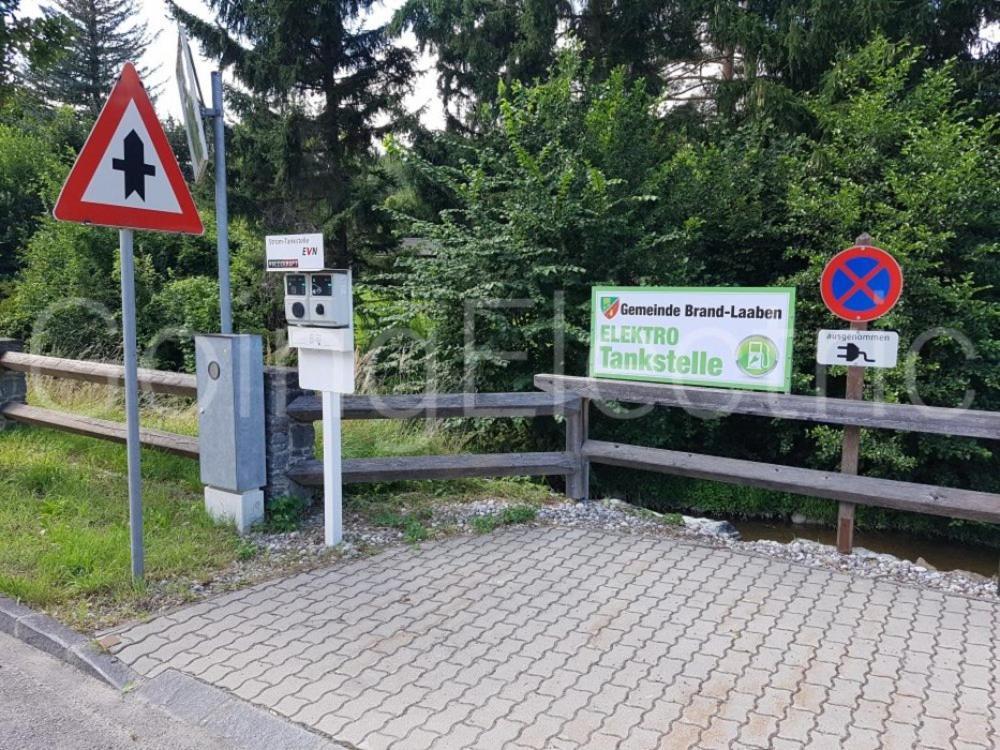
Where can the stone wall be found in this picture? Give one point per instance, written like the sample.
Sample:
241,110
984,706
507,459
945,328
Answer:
288,441
13,385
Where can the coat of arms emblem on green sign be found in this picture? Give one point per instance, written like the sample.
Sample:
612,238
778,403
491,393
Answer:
610,306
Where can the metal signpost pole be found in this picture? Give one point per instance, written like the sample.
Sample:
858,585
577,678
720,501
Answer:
131,401
333,521
112,184
221,206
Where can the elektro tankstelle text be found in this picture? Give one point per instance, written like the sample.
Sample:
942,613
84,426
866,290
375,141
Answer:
693,363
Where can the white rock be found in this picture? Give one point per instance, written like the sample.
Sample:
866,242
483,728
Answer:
709,527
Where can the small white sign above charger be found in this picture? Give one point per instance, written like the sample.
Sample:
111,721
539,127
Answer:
294,252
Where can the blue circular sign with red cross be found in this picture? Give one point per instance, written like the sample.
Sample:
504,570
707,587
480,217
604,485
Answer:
861,283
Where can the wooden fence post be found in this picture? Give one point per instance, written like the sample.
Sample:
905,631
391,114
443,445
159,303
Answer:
852,439
578,483
849,455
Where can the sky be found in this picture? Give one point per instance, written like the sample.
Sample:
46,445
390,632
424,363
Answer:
163,52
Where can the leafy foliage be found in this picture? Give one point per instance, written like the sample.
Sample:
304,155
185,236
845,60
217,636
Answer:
580,183
285,514
903,158
26,163
36,41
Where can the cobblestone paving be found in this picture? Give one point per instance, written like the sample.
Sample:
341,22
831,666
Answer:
552,638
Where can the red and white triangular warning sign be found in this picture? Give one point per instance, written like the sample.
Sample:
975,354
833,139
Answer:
126,174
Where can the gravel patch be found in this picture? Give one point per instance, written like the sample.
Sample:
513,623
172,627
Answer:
875,565
617,515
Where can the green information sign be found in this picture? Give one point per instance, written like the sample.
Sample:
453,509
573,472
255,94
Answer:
729,337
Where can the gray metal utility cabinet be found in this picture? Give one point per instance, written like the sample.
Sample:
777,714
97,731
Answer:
230,374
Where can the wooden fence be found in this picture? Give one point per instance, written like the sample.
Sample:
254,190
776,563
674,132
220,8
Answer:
860,490
155,381
565,463
309,473
569,397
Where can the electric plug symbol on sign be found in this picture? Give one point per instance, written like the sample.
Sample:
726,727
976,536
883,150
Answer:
850,352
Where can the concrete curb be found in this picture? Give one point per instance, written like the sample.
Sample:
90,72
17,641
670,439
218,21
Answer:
51,636
194,702
182,696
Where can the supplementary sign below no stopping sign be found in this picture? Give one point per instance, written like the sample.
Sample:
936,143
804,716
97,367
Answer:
858,348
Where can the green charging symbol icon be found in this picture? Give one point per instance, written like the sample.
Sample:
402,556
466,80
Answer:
757,356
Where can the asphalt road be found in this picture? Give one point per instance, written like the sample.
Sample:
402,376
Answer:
46,704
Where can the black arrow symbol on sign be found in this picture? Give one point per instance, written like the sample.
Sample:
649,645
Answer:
134,166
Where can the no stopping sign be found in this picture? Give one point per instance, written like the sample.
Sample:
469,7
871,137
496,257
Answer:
861,283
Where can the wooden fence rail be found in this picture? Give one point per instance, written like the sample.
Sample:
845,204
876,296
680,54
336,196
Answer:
568,463
157,381
439,406
403,468
568,397
168,442
885,493
307,408
868,414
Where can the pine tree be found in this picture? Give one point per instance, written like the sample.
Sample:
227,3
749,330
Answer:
739,55
478,42
323,86
105,35
771,49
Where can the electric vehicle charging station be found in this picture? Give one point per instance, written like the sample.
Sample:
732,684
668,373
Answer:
319,310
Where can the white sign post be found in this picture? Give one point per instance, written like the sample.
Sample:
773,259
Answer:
325,343
858,348
726,337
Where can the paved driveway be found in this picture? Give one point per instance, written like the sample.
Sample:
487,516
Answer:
550,638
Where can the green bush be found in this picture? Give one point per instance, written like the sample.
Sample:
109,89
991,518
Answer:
578,183
181,309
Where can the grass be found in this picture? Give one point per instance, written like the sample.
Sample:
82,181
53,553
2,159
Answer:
507,517
159,411
64,537
64,540
398,503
